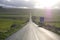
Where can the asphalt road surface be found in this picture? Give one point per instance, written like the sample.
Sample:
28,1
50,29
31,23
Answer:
32,32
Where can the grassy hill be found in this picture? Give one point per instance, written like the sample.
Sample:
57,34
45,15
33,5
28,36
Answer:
12,20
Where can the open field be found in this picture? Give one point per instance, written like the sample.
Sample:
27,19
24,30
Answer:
5,24
11,20
6,28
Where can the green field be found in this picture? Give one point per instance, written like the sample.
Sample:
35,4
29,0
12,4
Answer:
6,23
6,29
12,20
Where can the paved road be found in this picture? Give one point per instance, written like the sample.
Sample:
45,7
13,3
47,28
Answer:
32,32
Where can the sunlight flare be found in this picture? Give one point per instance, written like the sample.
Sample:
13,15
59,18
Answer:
26,0
45,3
8,0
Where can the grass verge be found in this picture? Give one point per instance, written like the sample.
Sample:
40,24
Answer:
6,28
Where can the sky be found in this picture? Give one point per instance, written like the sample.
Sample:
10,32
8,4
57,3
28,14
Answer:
30,3
15,3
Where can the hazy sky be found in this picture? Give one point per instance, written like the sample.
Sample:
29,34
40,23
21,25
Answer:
28,3
17,3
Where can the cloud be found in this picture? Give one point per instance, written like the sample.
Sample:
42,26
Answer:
17,3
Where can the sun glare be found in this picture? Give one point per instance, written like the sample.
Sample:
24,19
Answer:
56,7
45,3
26,0
8,0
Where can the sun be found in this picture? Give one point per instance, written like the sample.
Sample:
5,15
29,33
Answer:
45,3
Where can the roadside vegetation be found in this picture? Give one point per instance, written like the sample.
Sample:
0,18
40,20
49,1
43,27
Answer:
11,20
10,26
52,24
